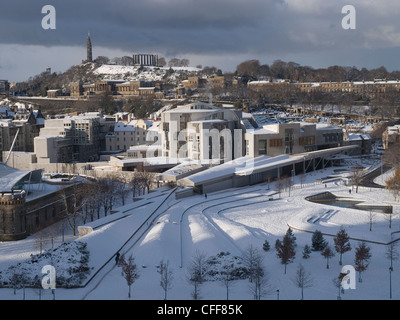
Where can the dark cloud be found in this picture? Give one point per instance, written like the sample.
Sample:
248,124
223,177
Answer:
263,29
201,24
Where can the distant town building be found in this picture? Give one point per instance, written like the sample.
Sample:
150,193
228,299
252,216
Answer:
291,138
367,89
4,88
116,88
150,60
73,138
22,125
362,140
391,136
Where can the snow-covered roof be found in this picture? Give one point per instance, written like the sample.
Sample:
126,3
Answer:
122,126
11,179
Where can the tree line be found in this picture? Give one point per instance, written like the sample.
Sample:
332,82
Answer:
254,70
90,200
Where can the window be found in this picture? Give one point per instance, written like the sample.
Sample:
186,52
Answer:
289,140
303,141
262,147
274,143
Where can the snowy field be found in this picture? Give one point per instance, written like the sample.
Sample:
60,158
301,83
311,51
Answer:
229,221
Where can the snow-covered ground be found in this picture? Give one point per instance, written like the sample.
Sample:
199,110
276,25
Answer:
134,73
229,221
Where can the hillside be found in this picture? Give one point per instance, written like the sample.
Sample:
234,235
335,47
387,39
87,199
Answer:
91,71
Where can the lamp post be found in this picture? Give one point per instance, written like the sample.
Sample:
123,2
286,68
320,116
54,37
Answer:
390,281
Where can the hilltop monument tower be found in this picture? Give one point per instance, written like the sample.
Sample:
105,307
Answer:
89,49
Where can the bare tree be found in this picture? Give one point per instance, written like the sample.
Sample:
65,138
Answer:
146,179
122,186
288,183
227,278
129,271
166,275
357,176
40,240
371,219
260,285
196,273
391,253
106,189
74,200
337,282
279,184
251,260
135,185
389,217
303,279
391,157
393,183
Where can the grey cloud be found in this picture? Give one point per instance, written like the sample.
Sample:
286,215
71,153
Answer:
269,29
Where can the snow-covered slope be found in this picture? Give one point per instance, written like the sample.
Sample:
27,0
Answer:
229,221
132,73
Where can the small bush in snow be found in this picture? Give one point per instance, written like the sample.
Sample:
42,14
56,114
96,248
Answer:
71,261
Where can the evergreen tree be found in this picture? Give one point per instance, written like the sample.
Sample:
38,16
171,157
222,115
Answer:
318,242
286,248
362,258
266,246
289,232
306,251
342,243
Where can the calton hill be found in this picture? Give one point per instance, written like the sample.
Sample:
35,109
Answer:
376,95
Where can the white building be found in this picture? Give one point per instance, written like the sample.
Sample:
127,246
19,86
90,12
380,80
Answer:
201,131
133,133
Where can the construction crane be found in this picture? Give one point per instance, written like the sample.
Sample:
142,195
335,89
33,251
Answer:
12,146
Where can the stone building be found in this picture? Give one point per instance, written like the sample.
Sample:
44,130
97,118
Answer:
23,132
391,136
117,88
73,138
126,134
145,60
291,138
4,88
366,89
21,213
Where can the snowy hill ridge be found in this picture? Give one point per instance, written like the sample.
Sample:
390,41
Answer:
136,73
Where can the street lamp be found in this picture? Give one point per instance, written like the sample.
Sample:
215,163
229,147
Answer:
390,280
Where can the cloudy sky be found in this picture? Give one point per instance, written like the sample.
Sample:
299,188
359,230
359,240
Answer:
220,33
